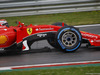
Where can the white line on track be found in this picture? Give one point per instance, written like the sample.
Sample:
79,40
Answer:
5,68
51,64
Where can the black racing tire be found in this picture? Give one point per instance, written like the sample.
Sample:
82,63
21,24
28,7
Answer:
69,38
52,41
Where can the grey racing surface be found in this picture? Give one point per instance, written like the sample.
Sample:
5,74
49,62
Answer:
43,53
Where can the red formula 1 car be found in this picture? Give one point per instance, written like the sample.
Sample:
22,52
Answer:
59,35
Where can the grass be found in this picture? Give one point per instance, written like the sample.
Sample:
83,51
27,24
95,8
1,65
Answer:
62,71
76,18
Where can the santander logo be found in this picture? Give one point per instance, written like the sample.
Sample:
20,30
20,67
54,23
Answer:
41,29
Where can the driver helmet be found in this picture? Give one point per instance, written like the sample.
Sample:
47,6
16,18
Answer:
3,22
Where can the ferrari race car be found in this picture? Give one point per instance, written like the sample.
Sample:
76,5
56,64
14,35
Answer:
59,35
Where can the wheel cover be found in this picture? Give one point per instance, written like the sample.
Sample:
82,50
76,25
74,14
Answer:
69,39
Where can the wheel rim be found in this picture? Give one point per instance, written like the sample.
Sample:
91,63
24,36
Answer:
69,39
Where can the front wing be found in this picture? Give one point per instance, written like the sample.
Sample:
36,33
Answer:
92,39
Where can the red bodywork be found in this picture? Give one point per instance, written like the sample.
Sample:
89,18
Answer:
93,39
22,32
16,34
9,34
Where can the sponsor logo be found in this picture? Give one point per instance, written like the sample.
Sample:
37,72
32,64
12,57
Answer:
1,49
5,29
41,29
29,31
97,40
37,29
3,39
88,35
41,35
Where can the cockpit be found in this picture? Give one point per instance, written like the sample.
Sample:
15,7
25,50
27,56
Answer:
3,22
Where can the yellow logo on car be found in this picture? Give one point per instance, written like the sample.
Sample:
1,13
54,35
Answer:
3,39
29,31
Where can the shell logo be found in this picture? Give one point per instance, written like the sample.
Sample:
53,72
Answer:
3,39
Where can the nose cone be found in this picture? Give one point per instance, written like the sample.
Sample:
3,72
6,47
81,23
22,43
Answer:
3,39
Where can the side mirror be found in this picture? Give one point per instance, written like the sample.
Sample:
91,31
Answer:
22,25
18,22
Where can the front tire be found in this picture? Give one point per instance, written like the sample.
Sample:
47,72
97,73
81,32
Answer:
69,38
